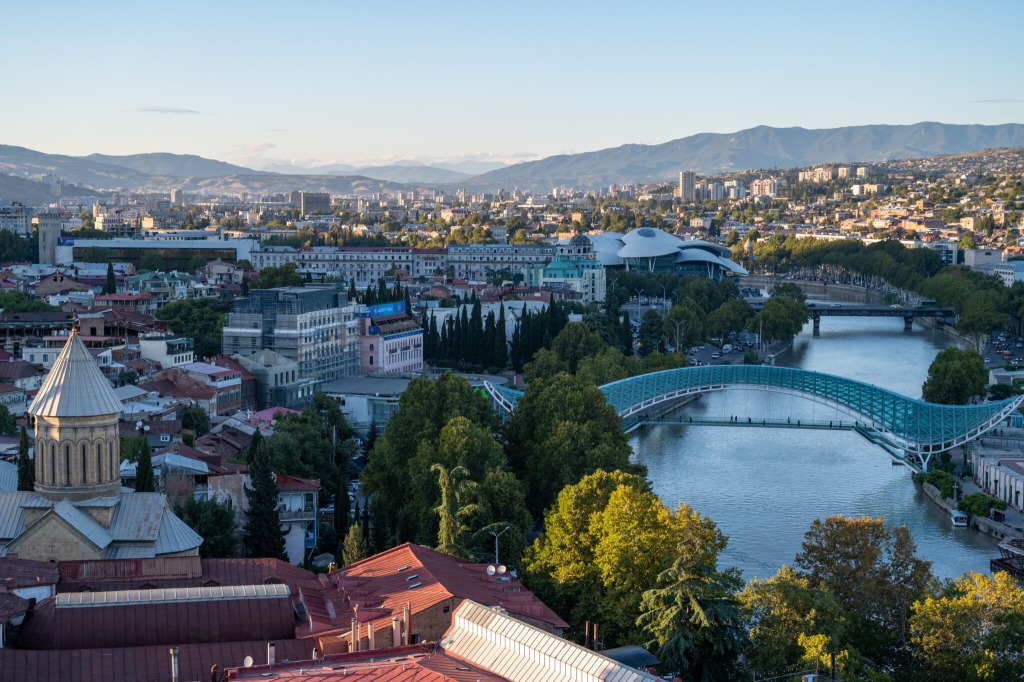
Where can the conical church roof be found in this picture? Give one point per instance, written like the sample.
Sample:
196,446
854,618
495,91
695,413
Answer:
75,387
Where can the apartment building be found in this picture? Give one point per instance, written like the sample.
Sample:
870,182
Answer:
390,340
480,261
314,202
16,218
312,325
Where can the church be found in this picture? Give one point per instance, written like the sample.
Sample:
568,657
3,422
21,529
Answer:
78,510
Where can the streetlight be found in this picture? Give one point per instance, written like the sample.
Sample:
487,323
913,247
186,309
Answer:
664,296
496,536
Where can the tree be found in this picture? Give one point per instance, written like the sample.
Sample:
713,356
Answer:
585,563
201,319
214,521
954,377
6,421
575,342
562,430
453,509
972,630
683,325
144,481
26,467
196,420
17,302
789,290
272,277
873,571
151,262
263,534
694,618
978,319
196,263
111,285
354,547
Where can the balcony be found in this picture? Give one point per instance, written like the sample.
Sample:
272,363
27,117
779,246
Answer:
300,515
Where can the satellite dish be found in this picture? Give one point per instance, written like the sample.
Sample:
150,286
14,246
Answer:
502,569
490,570
247,661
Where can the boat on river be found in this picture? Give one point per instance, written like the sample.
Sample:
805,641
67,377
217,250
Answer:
959,519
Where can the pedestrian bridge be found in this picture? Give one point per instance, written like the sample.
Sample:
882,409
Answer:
915,428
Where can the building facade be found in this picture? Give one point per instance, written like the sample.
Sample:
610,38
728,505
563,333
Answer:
390,340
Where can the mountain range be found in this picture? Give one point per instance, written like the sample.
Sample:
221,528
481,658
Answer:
762,147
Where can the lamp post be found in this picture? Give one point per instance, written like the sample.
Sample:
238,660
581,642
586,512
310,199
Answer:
496,536
664,296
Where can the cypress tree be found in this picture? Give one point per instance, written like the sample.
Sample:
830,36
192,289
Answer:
366,522
341,504
464,335
111,286
487,343
263,534
383,295
500,340
353,547
144,482
26,468
353,295
254,445
474,336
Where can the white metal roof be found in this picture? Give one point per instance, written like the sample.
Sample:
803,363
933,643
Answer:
75,387
519,652
171,595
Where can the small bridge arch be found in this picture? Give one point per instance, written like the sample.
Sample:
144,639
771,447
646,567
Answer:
917,428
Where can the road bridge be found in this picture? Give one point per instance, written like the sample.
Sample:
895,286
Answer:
818,311
915,429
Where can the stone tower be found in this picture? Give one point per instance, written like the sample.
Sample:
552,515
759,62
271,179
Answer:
50,225
77,444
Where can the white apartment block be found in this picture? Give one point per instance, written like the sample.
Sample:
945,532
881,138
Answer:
16,218
764,187
361,264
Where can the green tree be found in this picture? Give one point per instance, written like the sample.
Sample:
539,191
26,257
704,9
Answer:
196,420
151,262
954,377
214,521
26,467
6,421
585,564
144,481
694,618
272,277
196,263
790,290
972,630
263,534
111,285
574,343
453,509
979,319
873,571
683,325
200,319
561,430
17,302
353,547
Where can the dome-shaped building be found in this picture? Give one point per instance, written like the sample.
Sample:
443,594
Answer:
648,249
78,510
77,442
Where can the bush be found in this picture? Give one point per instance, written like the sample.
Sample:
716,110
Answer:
980,504
941,480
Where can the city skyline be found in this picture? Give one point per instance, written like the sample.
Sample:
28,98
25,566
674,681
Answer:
364,85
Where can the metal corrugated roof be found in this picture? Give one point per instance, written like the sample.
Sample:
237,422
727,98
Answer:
83,523
170,595
8,477
12,513
523,653
75,387
137,518
175,535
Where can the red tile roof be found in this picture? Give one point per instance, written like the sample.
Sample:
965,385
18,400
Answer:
382,585
417,663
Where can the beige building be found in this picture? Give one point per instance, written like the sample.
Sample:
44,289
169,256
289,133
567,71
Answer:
78,509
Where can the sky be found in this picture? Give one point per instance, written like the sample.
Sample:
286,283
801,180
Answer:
374,82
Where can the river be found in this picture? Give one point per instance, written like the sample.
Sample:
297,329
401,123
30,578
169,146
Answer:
764,487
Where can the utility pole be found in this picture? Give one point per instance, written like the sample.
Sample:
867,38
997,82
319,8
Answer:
496,536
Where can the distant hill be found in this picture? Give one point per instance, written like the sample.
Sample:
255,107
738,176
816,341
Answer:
27,163
176,165
756,148
32,192
415,174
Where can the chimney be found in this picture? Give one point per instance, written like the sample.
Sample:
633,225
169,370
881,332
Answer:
396,632
405,624
175,675
369,635
271,656
214,673
355,639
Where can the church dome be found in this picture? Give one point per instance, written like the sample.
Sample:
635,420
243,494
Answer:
75,386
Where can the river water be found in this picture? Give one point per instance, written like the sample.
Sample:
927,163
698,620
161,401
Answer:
764,487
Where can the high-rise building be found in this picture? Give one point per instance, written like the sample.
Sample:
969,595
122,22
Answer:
311,325
314,202
16,218
177,197
764,187
687,185
50,225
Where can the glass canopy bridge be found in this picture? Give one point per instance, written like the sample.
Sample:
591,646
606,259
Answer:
913,427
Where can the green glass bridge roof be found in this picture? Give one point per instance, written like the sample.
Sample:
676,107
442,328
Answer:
906,423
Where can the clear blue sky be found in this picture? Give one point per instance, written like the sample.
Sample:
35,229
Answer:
377,81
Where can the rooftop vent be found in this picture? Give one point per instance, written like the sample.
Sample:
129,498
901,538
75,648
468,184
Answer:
412,577
401,568
413,585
